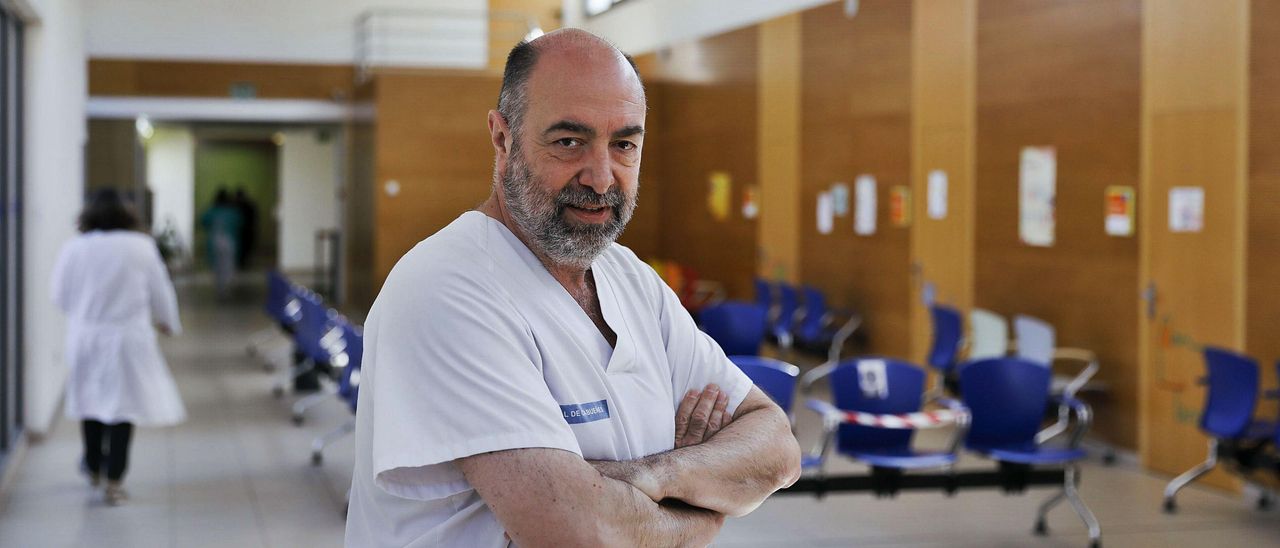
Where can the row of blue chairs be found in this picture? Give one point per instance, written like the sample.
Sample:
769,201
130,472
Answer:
1246,443
324,343
877,404
801,318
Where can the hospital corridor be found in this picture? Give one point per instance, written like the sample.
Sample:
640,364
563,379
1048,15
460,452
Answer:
545,273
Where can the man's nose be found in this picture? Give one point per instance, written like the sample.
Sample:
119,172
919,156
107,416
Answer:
597,172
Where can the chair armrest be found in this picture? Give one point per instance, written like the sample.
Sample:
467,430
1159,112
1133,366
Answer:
1083,413
847,330
814,375
1088,357
905,421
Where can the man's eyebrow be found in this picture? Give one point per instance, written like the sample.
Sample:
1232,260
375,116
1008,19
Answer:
628,132
571,127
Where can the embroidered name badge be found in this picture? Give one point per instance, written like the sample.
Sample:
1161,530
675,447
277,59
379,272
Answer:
578,413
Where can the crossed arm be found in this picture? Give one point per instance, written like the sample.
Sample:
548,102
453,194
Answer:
721,466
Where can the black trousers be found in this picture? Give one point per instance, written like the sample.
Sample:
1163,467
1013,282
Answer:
107,444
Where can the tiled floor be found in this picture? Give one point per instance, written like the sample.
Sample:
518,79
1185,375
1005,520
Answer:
237,473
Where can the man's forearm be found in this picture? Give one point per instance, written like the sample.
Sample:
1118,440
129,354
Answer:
735,470
639,521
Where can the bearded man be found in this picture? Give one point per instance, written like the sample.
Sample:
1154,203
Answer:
528,381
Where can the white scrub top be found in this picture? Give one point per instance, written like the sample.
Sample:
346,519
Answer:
114,288
472,346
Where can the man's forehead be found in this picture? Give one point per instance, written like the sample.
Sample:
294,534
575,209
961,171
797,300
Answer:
586,82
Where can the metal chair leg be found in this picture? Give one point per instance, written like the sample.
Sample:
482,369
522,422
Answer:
1073,496
1042,524
286,380
301,406
318,444
1171,490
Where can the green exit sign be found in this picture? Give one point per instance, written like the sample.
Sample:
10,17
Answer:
244,90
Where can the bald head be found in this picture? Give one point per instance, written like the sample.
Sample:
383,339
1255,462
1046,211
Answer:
586,54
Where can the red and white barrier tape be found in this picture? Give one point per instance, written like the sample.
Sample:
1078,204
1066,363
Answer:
922,419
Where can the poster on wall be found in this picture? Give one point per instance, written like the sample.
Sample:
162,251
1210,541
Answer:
937,198
900,206
864,219
840,199
1119,203
1037,185
750,202
826,213
719,191
1186,209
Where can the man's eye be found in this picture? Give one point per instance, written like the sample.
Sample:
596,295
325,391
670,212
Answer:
626,145
568,142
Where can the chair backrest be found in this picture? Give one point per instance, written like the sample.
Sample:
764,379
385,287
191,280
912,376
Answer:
764,292
315,322
1231,395
875,385
815,310
1036,339
788,303
1006,398
775,377
737,326
988,335
353,355
282,299
947,332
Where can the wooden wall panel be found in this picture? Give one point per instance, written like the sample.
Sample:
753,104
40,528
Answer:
778,123
1194,132
856,119
708,123
125,77
1263,335
431,137
1063,73
943,55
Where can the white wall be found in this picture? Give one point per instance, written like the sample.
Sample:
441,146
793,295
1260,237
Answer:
641,27
55,136
171,161
304,31
308,194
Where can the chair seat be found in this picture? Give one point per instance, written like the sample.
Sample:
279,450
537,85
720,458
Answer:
907,460
1033,454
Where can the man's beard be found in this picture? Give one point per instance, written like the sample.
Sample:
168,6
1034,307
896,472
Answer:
541,215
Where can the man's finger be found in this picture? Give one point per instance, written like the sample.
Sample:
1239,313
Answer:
718,416
701,414
682,414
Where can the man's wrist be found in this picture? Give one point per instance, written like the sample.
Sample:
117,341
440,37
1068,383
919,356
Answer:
664,473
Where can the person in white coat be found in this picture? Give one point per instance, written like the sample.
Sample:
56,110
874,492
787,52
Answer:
115,291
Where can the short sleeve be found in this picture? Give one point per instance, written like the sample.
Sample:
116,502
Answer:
696,359
454,373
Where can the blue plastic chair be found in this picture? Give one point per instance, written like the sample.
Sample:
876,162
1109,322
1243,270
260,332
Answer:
1007,398
1230,398
888,389
782,326
281,304
817,332
944,353
775,377
348,359
764,293
738,327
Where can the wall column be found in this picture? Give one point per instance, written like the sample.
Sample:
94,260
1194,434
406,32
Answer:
944,52
779,138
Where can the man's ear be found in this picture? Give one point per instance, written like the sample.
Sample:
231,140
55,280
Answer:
499,133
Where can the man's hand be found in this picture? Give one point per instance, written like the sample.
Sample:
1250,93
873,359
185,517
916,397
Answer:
701,415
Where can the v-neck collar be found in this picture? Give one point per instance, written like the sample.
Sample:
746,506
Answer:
558,297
